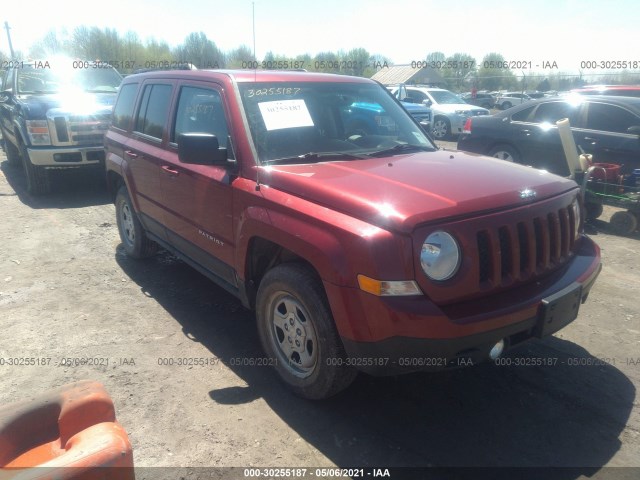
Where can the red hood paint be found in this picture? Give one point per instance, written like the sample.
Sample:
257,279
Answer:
403,191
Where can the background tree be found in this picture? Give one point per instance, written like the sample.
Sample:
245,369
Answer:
492,75
198,50
460,71
240,57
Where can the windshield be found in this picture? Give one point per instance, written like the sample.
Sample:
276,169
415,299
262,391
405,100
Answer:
309,122
56,80
446,97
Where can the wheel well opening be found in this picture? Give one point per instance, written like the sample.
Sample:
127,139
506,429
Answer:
262,256
114,181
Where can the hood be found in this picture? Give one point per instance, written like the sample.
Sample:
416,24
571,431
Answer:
403,191
84,103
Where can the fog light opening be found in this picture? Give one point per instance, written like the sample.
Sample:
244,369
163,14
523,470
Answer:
496,350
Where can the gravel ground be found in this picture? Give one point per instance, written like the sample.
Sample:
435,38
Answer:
67,291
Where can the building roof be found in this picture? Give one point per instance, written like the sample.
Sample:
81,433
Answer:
408,74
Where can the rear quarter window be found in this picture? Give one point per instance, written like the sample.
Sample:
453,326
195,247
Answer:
123,111
154,109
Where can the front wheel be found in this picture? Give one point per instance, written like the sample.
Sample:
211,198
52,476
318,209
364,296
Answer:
38,181
13,154
134,240
441,128
298,334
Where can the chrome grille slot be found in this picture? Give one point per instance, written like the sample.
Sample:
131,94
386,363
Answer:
518,251
61,129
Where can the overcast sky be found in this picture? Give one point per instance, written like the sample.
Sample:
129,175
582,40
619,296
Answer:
564,31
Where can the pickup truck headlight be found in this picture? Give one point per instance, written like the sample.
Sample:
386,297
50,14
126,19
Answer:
38,132
440,256
463,112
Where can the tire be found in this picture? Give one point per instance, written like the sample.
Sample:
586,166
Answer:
298,335
38,180
132,235
505,152
593,210
506,105
441,128
13,154
624,223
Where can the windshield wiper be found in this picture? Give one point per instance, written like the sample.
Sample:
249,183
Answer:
318,157
401,148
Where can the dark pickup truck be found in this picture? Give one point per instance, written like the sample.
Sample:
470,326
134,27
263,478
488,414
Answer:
370,251
53,115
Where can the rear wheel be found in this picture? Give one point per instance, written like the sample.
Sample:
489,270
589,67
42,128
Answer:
38,181
298,334
594,210
506,105
505,152
134,240
624,223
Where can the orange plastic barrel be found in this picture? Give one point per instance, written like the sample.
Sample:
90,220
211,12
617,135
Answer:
67,433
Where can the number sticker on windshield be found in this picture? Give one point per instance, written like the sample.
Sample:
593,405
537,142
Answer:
285,114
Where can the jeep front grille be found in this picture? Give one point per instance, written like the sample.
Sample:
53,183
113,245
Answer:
526,249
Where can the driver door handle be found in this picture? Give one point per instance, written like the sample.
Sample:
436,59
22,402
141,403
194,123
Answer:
170,171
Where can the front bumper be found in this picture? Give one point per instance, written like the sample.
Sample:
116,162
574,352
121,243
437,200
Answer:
67,157
405,334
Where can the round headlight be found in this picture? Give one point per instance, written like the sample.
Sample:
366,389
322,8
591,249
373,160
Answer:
440,256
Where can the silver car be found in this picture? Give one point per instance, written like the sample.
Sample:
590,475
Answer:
450,112
509,99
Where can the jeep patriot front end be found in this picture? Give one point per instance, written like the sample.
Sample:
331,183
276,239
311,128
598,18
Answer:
358,250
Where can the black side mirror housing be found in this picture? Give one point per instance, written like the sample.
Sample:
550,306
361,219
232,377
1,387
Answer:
201,149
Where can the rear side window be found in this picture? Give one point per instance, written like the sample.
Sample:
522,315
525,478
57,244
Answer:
123,111
153,112
610,118
551,112
200,110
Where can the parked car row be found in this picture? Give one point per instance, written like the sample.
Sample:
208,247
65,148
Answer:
450,112
608,127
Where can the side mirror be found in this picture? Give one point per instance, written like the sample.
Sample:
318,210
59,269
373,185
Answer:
426,102
201,149
635,130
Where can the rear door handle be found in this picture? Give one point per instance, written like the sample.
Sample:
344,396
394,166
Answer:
170,171
131,154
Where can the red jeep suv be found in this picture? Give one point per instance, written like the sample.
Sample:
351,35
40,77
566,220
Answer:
357,250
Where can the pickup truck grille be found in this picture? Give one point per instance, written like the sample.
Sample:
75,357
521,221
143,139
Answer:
519,251
80,129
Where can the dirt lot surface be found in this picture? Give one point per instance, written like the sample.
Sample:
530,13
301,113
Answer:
67,291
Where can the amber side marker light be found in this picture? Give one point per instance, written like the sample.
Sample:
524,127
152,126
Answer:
382,288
